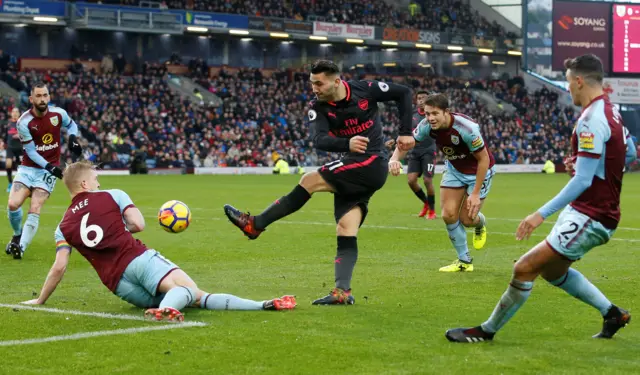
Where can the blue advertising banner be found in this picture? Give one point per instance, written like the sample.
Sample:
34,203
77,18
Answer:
202,19
223,21
81,7
33,7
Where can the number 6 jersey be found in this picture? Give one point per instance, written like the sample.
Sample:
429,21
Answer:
93,224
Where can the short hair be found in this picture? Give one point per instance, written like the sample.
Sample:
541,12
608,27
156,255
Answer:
327,67
39,85
73,171
588,66
422,92
437,100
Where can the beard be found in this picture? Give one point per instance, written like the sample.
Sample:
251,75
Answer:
41,107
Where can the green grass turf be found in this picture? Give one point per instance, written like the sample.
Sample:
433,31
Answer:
403,304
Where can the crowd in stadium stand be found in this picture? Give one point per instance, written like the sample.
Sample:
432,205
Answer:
442,15
137,119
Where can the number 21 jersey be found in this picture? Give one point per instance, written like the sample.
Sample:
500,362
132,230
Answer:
93,224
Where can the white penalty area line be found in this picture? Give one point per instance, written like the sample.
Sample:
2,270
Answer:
489,232
84,335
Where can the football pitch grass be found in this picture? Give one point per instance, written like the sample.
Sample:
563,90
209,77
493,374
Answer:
403,304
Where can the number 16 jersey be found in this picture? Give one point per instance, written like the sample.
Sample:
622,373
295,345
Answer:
93,224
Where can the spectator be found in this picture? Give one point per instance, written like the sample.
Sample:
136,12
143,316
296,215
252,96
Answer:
120,64
107,64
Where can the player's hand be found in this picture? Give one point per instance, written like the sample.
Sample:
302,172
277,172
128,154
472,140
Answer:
54,170
569,163
74,145
389,144
32,302
528,225
395,167
473,204
406,142
358,144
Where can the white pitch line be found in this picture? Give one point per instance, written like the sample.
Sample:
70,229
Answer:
84,313
209,209
84,335
489,232
75,312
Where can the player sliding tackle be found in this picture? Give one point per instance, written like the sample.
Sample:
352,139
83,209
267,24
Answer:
467,178
93,224
593,196
344,118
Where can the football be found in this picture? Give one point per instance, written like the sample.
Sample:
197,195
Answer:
174,216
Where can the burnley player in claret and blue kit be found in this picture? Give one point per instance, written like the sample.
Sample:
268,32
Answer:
590,205
39,130
343,118
467,178
100,225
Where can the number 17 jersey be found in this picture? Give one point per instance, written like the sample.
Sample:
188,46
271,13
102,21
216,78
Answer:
93,224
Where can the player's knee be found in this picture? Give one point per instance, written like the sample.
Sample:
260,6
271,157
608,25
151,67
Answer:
347,226
412,180
428,182
522,270
14,204
311,181
449,216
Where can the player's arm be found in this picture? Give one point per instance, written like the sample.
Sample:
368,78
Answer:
63,251
387,92
72,130
591,143
28,145
631,154
321,137
133,219
419,133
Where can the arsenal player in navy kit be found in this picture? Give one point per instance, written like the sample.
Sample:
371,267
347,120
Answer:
343,118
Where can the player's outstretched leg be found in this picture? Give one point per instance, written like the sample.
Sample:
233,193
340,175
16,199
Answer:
346,257
578,286
451,201
525,272
253,226
231,302
18,195
181,291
